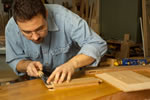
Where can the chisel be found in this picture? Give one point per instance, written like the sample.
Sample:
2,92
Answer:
43,77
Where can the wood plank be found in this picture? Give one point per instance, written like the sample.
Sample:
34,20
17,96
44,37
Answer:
87,11
74,83
98,10
146,24
126,81
94,17
142,34
125,47
100,70
91,12
82,8
74,7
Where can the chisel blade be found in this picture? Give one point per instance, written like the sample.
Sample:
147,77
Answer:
43,77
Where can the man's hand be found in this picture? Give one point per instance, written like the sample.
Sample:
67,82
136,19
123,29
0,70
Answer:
61,73
33,67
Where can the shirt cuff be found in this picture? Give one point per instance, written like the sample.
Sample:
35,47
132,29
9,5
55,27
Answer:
13,65
92,52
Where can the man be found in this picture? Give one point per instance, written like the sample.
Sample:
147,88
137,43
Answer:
50,38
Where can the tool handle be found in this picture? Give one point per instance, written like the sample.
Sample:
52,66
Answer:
40,73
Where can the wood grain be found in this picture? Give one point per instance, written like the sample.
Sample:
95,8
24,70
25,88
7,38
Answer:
36,90
146,25
140,95
137,68
74,83
126,81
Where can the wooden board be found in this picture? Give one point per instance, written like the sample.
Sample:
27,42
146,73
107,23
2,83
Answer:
142,34
137,68
126,81
79,82
125,47
146,25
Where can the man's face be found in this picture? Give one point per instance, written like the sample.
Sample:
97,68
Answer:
35,29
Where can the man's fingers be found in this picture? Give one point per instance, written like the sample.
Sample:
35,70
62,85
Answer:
30,73
38,65
63,75
33,68
51,77
57,76
69,77
60,73
34,71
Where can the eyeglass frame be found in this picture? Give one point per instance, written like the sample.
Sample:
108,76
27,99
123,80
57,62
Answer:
37,31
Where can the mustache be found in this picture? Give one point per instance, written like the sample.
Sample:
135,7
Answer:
39,40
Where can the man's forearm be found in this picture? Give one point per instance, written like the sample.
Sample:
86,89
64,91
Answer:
81,60
22,65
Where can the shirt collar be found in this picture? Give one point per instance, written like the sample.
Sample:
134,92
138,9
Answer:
51,23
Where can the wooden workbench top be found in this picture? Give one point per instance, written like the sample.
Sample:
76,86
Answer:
36,90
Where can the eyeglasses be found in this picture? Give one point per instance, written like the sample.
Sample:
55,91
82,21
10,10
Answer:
39,30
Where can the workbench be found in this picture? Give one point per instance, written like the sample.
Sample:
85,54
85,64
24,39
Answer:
36,90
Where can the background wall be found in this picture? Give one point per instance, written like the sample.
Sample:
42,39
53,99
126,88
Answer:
1,6
119,17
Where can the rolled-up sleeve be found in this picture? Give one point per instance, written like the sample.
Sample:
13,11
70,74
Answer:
14,49
90,42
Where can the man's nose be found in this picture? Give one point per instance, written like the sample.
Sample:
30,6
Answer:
35,36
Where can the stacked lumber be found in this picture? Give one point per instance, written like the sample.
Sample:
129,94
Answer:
88,10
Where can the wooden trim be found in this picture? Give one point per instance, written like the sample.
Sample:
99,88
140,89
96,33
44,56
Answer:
79,82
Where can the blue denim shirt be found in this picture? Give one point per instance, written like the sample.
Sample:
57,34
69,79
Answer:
68,35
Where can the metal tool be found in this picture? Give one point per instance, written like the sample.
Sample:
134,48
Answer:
43,77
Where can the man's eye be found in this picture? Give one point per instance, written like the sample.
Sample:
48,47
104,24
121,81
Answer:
27,32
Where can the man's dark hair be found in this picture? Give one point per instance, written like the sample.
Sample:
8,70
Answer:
23,10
